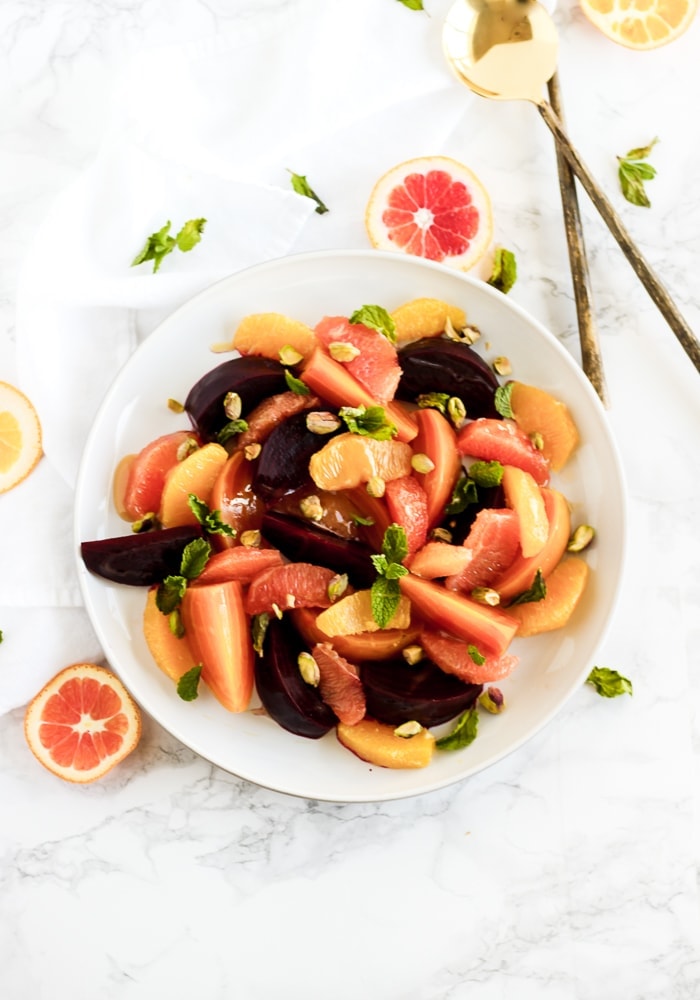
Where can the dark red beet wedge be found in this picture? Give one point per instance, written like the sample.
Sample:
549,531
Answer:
288,699
397,692
301,541
138,560
283,464
253,378
440,365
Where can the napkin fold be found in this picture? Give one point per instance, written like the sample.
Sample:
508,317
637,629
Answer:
210,129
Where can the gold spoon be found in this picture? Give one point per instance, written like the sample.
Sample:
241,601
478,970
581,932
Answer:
507,50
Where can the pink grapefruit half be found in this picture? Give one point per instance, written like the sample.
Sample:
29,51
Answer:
432,207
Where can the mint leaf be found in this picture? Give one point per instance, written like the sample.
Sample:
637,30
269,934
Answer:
376,318
395,544
476,656
413,4
230,430
170,593
366,521
385,595
369,421
187,686
434,401
157,246
464,493
486,474
209,519
633,172
464,732
302,186
195,556
1,635
295,384
501,400
536,592
505,272
609,683
190,234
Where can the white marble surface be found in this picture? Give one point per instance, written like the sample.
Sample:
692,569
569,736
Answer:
566,871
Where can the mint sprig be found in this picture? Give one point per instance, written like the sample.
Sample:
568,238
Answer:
302,187
385,593
464,732
368,421
376,318
210,520
159,244
171,591
633,172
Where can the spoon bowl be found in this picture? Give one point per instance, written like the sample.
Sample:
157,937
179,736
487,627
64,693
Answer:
508,50
502,49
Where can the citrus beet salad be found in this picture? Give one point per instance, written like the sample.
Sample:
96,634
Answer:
355,524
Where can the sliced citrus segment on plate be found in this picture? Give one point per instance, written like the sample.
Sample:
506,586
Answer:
82,723
20,437
640,24
433,207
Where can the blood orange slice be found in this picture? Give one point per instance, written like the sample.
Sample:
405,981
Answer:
431,207
82,723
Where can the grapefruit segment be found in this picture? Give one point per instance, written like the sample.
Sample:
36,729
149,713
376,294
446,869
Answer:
339,685
491,546
408,507
502,441
439,559
82,723
433,207
437,439
147,472
521,573
375,366
294,585
455,657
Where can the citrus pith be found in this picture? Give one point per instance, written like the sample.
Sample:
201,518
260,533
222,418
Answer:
433,207
82,723
20,437
640,24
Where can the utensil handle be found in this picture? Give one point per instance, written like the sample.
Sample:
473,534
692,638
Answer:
649,279
591,359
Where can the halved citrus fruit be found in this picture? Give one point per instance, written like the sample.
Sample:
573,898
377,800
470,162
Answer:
640,24
432,207
82,723
20,437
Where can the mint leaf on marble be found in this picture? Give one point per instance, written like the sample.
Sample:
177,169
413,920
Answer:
413,4
609,683
633,172
190,234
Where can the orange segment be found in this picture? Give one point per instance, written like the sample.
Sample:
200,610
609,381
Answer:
432,207
352,615
268,333
425,318
82,723
537,412
20,437
378,744
172,655
640,24
524,497
565,585
195,474
348,460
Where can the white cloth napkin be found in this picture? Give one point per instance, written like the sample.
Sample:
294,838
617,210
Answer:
338,92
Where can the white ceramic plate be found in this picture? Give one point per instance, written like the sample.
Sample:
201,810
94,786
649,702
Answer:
308,287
